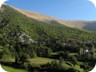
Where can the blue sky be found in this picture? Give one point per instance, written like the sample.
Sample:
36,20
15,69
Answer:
62,9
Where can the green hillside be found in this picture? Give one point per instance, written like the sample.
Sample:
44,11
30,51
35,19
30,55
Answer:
22,38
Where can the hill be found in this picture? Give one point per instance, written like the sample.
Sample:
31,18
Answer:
23,38
81,24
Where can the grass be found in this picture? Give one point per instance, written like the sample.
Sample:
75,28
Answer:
12,69
73,54
54,53
7,60
40,60
78,68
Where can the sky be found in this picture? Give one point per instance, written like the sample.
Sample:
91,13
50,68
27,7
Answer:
61,9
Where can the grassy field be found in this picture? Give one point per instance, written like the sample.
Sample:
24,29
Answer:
40,60
11,69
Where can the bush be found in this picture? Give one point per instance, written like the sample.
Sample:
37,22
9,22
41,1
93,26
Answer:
73,59
71,70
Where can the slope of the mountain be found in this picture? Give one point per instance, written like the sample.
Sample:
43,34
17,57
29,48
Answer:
35,28
22,38
88,25
39,17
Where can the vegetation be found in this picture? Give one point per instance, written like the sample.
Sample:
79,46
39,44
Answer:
11,69
37,46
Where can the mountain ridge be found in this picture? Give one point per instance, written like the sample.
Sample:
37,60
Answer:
80,24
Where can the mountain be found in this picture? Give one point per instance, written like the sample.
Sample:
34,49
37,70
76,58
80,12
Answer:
87,25
22,38
32,25
81,24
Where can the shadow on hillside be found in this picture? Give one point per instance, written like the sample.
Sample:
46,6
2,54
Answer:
12,64
90,26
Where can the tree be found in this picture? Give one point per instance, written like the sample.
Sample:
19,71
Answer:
73,59
93,51
24,58
61,62
5,55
